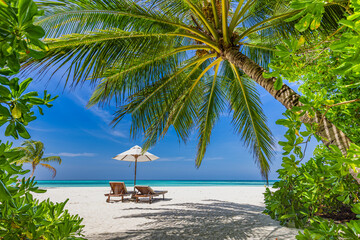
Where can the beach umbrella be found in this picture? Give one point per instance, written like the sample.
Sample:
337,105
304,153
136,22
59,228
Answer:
134,154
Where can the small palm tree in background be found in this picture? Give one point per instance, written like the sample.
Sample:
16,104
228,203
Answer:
34,151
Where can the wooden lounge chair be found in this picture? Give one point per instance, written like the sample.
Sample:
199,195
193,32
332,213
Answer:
146,191
118,189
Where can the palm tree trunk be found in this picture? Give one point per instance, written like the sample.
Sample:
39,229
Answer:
33,170
330,134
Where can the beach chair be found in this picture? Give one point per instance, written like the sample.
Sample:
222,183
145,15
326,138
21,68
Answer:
118,189
146,191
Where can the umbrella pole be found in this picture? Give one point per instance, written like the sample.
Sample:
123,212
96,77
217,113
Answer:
136,157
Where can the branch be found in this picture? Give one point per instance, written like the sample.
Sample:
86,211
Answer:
306,144
336,104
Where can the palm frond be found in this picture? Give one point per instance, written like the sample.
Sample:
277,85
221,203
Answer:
155,108
224,18
211,107
120,83
56,159
197,11
94,53
50,168
249,120
79,16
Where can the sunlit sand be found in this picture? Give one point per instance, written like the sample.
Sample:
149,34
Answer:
186,213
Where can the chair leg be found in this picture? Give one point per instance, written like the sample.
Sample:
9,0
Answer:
163,196
149,200
108,199
122,198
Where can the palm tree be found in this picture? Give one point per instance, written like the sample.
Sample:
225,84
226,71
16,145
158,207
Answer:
180,63
34,151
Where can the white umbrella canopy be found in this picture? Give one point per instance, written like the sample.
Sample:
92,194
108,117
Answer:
134,155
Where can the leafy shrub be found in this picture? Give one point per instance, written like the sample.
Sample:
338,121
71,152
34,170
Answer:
320,187
317,195
22,216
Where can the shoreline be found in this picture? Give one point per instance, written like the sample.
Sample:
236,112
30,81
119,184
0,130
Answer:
131,186
206,212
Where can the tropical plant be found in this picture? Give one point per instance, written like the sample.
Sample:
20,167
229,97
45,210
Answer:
33,154
22,216
328,71
319,195
18,34
179,63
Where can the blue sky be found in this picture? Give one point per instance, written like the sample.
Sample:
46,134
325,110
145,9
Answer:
86,143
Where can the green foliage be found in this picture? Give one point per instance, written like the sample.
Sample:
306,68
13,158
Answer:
21,215
316,195
311,16
327,71
309,193
16,105
18,34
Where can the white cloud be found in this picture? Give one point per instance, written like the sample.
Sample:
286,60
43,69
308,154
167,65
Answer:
42,129
66,154
104,134
104,115
117,133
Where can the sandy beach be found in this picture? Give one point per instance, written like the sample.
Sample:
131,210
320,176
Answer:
186,213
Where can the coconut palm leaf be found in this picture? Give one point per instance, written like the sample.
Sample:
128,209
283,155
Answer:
249,120
56,159
49,167
211,107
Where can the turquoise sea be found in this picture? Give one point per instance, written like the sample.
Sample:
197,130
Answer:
155,183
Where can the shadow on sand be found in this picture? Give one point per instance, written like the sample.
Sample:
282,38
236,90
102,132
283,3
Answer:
215,220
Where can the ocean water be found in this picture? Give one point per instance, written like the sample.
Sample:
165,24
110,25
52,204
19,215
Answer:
153,183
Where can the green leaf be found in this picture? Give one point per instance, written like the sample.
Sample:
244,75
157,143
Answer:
347,23
4,111
40,110
4,80
315,24
37,43
36,54
7,49
304,23
13,63
35,31
27,10
23,85
278,83
305,133
4,92
4,192
22,131
10,129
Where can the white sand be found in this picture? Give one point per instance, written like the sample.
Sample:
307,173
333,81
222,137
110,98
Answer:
186,213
